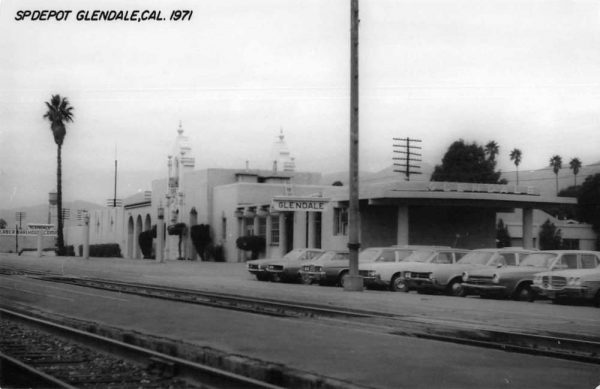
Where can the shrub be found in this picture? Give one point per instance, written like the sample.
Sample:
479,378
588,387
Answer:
103,250
550,236
254,244
200,235
145,241
177,229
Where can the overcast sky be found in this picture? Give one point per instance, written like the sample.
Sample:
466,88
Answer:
524,73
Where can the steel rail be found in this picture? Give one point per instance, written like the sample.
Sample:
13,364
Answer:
195,372
35,377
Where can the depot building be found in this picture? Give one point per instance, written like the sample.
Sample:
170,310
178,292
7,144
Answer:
292,209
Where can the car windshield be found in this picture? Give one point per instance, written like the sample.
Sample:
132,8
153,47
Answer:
334,256
418,256
539,260
476,258
368,255
302,255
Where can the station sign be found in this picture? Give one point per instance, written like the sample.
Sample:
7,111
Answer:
308,204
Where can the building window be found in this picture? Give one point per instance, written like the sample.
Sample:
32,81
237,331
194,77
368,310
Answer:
570,244
262,227
224,228
274,230
340,221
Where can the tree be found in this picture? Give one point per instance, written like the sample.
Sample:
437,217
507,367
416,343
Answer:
588,202
59,112
556,163
337,183
492,149
575,165
2,224
516,156
550,236
502,235
466,163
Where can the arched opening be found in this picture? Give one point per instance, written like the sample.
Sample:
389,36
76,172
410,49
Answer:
147,223
193,254
130,238
138,229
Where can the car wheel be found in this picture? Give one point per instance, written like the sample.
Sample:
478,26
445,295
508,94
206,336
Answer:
275,277
342,279
262,277
524,293
456,289
398,284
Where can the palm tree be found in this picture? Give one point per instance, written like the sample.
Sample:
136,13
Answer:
575,165
515,156
492,149
556,163
59,112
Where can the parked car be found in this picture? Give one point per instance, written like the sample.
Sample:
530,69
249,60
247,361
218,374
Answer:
258,267
311,272
390,274
335,271
516,281
447,278
287,268
580,284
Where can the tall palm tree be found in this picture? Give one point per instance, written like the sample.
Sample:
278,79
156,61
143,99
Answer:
556,163
575,165
492,149
59,112
516,156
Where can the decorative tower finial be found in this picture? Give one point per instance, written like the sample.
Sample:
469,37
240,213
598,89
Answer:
180,129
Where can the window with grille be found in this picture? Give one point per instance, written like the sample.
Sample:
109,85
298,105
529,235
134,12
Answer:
340,221
274,230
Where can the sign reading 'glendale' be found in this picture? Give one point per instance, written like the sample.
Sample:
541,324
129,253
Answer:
309,204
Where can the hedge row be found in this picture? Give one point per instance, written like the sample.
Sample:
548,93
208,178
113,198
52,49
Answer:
102,250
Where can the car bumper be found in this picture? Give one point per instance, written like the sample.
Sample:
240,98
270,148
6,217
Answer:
573,292
257,271
374,281
314,276
423,284
484,289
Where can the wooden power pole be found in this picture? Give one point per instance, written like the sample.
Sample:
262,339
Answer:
353,281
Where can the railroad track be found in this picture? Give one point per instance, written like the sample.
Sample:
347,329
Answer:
39,353
554,345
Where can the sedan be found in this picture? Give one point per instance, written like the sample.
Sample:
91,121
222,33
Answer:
258,267
447,278
515,281
580,284
390,274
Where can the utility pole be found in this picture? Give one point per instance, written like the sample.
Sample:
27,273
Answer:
353,281
407,158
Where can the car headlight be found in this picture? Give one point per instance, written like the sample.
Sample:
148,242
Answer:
574,281
496,278
537,280
465,276
406,274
